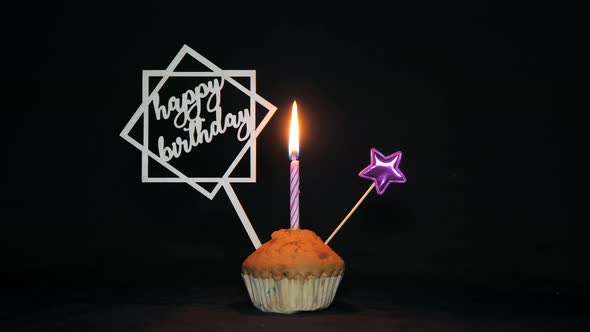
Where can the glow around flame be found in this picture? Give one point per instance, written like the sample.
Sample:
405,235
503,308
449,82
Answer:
294,132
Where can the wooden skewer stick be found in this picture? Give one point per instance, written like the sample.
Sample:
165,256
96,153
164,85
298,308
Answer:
350,213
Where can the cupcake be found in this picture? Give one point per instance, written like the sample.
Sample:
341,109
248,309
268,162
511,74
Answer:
294,271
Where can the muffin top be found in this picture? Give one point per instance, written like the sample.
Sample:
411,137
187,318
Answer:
293,254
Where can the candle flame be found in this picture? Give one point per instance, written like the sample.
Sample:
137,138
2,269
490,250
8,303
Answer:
294,132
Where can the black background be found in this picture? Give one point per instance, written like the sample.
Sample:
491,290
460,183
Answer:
474,95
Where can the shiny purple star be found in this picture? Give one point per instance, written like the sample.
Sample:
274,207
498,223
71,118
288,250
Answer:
383,170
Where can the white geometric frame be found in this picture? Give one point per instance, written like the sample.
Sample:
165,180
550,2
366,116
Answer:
225,181
144,160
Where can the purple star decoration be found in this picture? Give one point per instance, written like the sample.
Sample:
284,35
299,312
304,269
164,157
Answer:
383,170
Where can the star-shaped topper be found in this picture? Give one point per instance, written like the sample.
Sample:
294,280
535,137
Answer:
383,170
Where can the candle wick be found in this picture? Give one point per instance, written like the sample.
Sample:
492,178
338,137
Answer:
293,155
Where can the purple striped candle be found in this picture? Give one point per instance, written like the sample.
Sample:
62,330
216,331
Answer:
294,179
294,197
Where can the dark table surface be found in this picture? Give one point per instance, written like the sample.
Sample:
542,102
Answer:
229,309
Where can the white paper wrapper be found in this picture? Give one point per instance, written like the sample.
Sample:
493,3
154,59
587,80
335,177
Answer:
287,296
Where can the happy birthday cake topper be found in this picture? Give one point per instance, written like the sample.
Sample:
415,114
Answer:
195,117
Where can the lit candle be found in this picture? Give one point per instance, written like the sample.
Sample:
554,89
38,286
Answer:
293,154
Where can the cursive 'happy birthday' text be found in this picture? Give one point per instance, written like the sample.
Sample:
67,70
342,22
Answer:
188,118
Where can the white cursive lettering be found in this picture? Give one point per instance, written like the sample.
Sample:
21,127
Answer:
188,118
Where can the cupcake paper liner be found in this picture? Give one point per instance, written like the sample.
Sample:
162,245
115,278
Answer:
291,295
